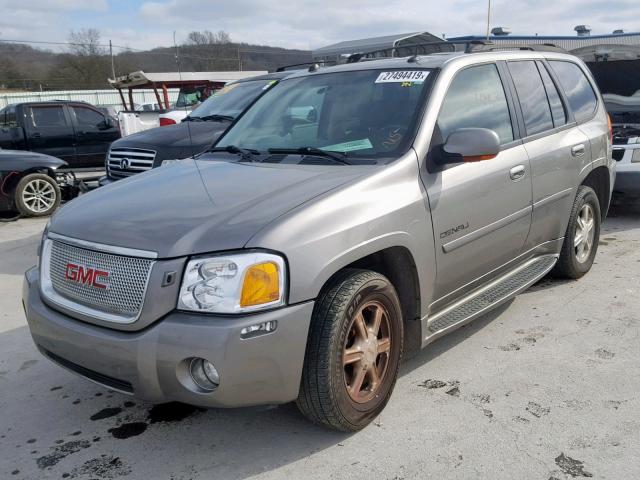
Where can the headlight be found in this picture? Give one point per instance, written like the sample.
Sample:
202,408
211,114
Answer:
235,283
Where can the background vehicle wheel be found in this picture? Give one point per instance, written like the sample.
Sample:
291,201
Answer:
353,351
37,195
582,237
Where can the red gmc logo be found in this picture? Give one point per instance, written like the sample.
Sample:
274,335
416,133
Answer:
86,276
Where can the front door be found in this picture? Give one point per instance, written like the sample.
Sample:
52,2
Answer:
93,135
49,131
481,211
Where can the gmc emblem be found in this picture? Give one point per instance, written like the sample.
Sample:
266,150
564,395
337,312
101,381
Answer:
89,277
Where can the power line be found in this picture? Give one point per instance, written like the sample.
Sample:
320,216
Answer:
151,51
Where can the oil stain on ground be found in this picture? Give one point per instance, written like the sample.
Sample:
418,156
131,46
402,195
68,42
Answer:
106,413
571,466
101,467
128,430
61,451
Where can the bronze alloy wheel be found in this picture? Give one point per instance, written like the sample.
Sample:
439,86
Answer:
365,354
354,348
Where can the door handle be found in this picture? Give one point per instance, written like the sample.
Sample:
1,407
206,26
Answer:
517,172
578,150
37,135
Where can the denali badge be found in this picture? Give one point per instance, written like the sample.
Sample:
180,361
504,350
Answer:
453,230
89,277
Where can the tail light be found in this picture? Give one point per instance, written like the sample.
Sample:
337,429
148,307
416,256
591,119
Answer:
610,128
166,121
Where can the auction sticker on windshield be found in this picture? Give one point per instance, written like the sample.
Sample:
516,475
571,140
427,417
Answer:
363,144
401,76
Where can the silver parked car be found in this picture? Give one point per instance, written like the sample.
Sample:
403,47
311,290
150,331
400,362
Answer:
352,214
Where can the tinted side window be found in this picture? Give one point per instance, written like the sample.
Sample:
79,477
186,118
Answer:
476,99
582,98
8,117
87,116
532,96
11,119
48,116
557,108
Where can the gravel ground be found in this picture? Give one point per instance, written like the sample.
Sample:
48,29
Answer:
547,387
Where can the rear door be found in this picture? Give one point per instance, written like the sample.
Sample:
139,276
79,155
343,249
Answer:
481,211
49,130
93,135
557,149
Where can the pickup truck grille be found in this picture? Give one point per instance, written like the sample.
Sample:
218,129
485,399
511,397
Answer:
124,162
106,286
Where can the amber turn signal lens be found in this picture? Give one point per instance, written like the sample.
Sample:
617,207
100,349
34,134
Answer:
261,285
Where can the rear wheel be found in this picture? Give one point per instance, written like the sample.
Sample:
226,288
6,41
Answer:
582,236
37,195
353,352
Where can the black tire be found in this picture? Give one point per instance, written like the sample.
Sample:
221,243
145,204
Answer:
570,265
325,397
26,195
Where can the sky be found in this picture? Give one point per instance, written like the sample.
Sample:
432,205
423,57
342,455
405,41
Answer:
304,24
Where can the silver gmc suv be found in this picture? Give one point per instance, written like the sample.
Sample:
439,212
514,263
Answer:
352,215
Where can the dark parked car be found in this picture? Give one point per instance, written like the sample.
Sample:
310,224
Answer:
30,183
197,132
75,132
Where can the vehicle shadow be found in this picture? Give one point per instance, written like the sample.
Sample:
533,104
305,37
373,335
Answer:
174,439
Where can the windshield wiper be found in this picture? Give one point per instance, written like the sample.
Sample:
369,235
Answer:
217,118
246,154
318,152
189,118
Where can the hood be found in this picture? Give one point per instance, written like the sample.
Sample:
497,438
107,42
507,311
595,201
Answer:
20,160
173,138
195,206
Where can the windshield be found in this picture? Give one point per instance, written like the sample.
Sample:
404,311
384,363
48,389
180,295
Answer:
231,100
366,113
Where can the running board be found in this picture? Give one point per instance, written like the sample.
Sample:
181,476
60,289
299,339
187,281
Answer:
489,297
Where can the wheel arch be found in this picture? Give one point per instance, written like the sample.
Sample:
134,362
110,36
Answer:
599,179
398,265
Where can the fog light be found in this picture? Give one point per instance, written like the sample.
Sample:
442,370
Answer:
204,374
258,329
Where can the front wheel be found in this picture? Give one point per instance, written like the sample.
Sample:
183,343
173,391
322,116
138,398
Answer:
353,351
582,236
37,195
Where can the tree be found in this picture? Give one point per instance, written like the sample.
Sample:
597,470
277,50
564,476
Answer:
86,63
208,38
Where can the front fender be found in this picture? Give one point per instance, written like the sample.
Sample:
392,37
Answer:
382,210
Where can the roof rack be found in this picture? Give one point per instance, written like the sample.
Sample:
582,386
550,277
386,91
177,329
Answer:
323,63
429,48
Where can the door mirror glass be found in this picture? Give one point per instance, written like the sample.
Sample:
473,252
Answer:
470,145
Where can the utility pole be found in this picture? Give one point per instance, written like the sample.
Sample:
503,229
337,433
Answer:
113,65
239,60
488,19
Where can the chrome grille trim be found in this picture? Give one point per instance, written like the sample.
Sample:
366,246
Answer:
121,302
101,247
140,160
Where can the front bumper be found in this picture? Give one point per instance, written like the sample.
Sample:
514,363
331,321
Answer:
150,364
628,181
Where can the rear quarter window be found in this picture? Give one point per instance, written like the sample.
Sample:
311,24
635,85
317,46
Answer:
582,98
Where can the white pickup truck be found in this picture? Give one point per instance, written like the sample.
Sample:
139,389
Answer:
195,87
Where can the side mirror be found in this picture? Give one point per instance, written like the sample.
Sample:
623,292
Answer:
107,124
470,145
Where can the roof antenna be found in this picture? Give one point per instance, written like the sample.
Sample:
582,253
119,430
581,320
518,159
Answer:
186,111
